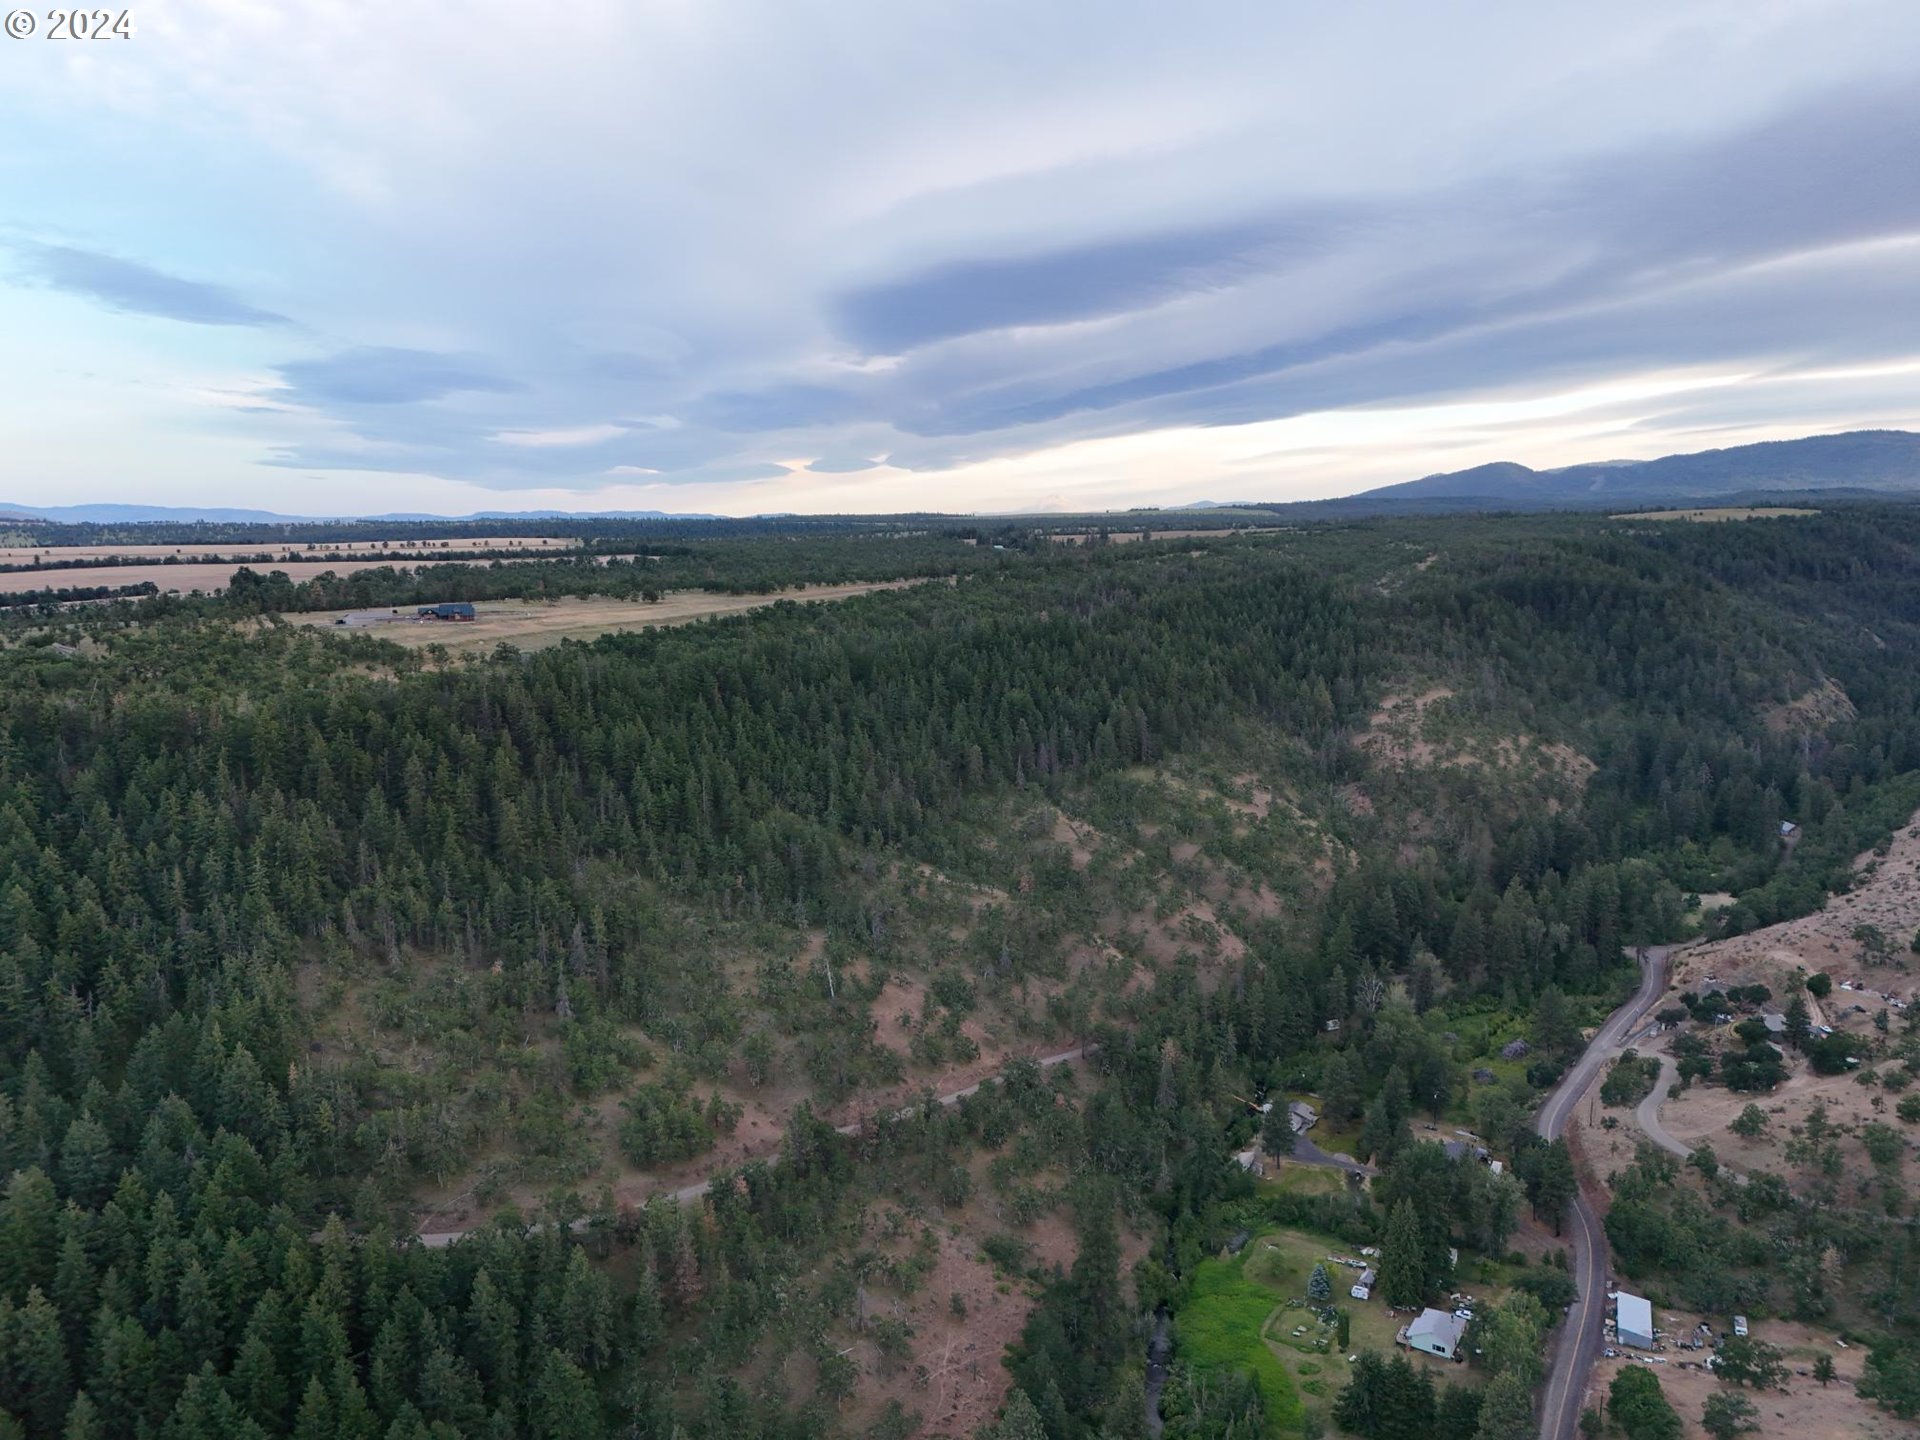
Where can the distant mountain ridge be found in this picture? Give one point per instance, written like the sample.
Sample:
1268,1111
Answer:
1859,461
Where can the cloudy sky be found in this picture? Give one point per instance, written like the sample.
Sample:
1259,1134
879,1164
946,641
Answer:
871,255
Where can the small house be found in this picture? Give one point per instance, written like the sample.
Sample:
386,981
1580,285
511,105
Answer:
1776,1023
448,610
1305,1117
1363,1287
1788,829
1633,1318
1436,1332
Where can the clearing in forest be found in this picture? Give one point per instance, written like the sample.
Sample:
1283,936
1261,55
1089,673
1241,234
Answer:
536,624
1726,512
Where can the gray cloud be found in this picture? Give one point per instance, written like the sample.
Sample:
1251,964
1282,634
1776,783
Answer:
386,375
1119,233
1081,282
1545,252
127,286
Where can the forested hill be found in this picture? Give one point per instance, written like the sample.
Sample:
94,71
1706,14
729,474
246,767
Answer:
297,929
1858,461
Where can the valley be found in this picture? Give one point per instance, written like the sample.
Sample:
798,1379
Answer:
850,1014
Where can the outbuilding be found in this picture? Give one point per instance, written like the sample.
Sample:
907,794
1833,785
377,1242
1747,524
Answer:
448,610
1633,1319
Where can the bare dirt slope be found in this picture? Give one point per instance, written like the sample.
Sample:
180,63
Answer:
1885,897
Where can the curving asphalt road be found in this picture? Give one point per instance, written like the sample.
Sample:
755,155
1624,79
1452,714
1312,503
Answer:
1579,1341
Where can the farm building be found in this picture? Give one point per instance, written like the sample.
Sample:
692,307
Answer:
448,610
1363,1287
1634,1321
1436,1333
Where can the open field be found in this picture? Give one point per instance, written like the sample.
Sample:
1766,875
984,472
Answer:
207,577
537,624
1729,512
1127,537
1248,1312
74,554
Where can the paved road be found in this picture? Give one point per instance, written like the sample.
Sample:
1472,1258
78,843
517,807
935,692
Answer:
440,1239
1579,1341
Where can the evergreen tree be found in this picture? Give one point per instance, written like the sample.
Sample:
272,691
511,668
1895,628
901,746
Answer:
1403,1275
1555,1186
1506,1410
1020,1420
563,1405
1361,1408
1319,1284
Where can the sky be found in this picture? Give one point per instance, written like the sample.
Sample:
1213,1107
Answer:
737,257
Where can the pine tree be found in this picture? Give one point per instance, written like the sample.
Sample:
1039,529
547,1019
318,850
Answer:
83,1420
563,1405
1385,1132
1361,1408
1403,1273
1506,1410
1277,1136
1555,1185
1457,1413
1319,1284
1799,1022
1020,1420
40,1380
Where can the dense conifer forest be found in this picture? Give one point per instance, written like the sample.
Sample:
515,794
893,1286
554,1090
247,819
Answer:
617,874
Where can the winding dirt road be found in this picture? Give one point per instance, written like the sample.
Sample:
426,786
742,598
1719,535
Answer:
440,1239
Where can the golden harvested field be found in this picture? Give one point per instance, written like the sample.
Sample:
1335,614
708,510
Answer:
208,576
1731,512
534,625
57,554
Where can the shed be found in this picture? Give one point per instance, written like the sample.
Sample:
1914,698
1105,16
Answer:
1788,829
1363,1287
448,610
1633,1318
1437,1333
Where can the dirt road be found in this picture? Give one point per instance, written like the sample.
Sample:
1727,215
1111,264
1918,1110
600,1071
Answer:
440,1239
1579,1341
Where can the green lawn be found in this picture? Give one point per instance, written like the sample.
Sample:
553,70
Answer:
1219,1329
1243,1314
1304,1179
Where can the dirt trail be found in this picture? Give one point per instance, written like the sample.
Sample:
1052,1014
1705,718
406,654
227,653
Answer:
440,1239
